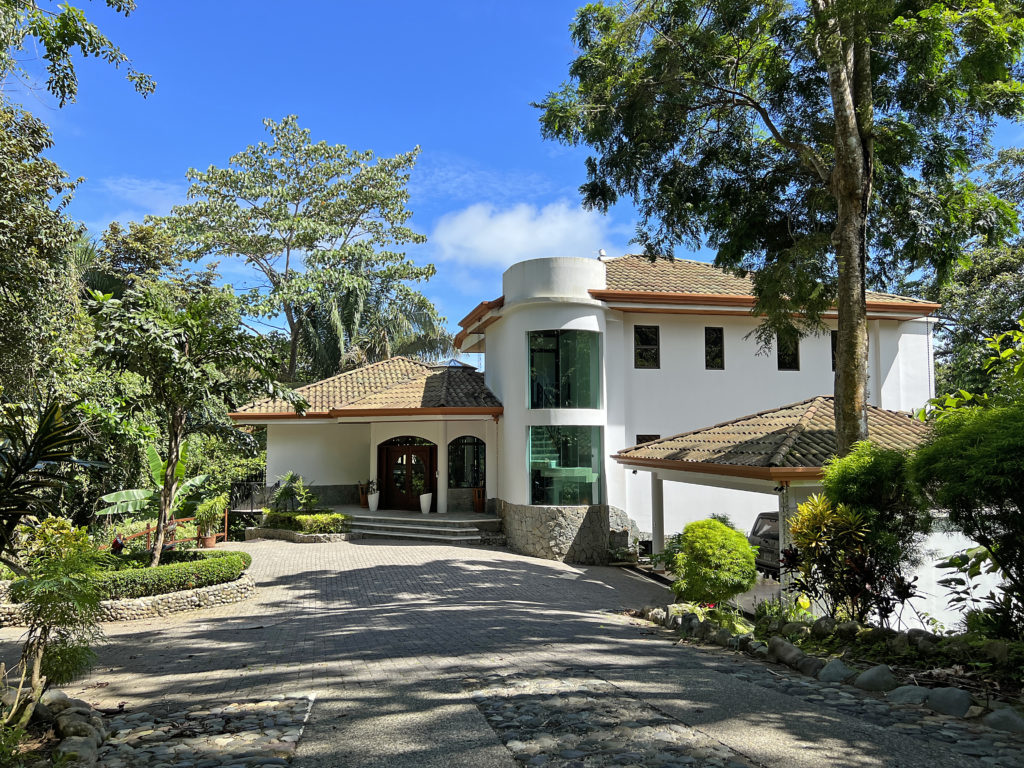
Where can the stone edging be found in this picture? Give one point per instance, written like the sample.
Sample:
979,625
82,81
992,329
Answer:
152,606
80,728
954,702
295,537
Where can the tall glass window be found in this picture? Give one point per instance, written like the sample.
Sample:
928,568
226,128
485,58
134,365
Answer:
565,465
466,456
565,369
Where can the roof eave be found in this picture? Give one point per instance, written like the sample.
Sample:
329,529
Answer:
732,470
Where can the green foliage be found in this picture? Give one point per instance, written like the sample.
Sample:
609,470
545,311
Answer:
34,449
323,522
784,609
11,754
60,601
39,307
723,616
714,563
60,30
847,558
226,460
724,519
796,141
971,469
292,495
147,500
187,343
210,514
174,575
323,236
983,298
185,533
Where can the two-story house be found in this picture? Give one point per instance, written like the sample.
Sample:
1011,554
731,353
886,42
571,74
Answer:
583,358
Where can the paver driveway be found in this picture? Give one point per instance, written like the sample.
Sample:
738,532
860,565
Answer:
385,633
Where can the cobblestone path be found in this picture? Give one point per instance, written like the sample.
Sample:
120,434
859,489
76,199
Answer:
389,638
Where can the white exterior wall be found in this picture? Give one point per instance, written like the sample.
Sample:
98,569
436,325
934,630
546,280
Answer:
681,395
324,453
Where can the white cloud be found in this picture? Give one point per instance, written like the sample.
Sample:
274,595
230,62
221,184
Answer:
483,235
129,198
454,178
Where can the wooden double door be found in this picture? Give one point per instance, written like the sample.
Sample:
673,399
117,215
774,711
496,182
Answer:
403,468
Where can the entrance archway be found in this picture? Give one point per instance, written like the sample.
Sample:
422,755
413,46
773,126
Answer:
407,464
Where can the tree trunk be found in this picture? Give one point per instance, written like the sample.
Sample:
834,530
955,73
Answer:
845,54
175,436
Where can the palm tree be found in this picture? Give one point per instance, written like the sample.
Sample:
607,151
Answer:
375,320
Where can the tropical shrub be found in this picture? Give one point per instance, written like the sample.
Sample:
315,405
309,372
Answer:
184,533
60,598
714,563
292,495
322,522
971,469
837,561
209,514
179,571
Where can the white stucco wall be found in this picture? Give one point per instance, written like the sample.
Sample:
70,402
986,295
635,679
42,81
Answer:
324,453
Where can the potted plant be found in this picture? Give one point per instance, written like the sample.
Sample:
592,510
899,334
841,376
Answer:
209,516
372,495
419,487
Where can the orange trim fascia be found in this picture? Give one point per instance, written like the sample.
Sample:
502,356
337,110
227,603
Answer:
480,310
727,300
271,416
734,313
732,470
462,335
465,411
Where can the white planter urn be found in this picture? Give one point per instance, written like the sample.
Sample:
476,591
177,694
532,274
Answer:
373,500
425,499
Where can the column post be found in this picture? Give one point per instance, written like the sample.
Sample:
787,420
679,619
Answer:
657,514
442,470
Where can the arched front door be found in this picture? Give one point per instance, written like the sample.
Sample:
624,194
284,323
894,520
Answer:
405,469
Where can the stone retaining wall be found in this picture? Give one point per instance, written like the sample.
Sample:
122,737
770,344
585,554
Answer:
156,605
571,534
298,538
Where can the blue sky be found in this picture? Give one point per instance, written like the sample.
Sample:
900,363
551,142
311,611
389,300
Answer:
456,79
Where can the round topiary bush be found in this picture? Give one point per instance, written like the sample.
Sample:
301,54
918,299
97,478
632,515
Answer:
714,564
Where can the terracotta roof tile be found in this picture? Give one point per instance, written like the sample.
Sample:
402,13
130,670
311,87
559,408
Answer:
395,383
799,435
638,273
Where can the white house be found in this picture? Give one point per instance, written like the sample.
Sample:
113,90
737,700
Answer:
584,358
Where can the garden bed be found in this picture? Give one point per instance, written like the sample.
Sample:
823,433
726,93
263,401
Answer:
184,581
296,537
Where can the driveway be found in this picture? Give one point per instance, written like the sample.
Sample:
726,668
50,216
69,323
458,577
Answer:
398,642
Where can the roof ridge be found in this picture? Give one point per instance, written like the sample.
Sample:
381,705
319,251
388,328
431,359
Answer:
794,434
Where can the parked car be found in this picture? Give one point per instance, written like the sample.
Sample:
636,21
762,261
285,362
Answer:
764,535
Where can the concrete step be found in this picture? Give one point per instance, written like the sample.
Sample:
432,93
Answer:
411,527
469,539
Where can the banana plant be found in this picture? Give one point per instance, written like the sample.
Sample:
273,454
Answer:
146,501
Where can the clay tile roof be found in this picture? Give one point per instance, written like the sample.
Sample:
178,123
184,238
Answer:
639,273
799,435
399,383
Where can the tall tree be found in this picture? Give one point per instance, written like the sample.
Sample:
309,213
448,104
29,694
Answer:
797,139
38,287
60,29
185,340
307,217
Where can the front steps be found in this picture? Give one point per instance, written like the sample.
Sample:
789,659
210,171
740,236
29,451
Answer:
451,529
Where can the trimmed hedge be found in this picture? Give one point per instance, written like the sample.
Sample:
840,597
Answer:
178,571
323,522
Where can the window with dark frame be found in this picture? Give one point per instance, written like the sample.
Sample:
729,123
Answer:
787,348
714,349
646,346
565,369
641,439
466,462
835,340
